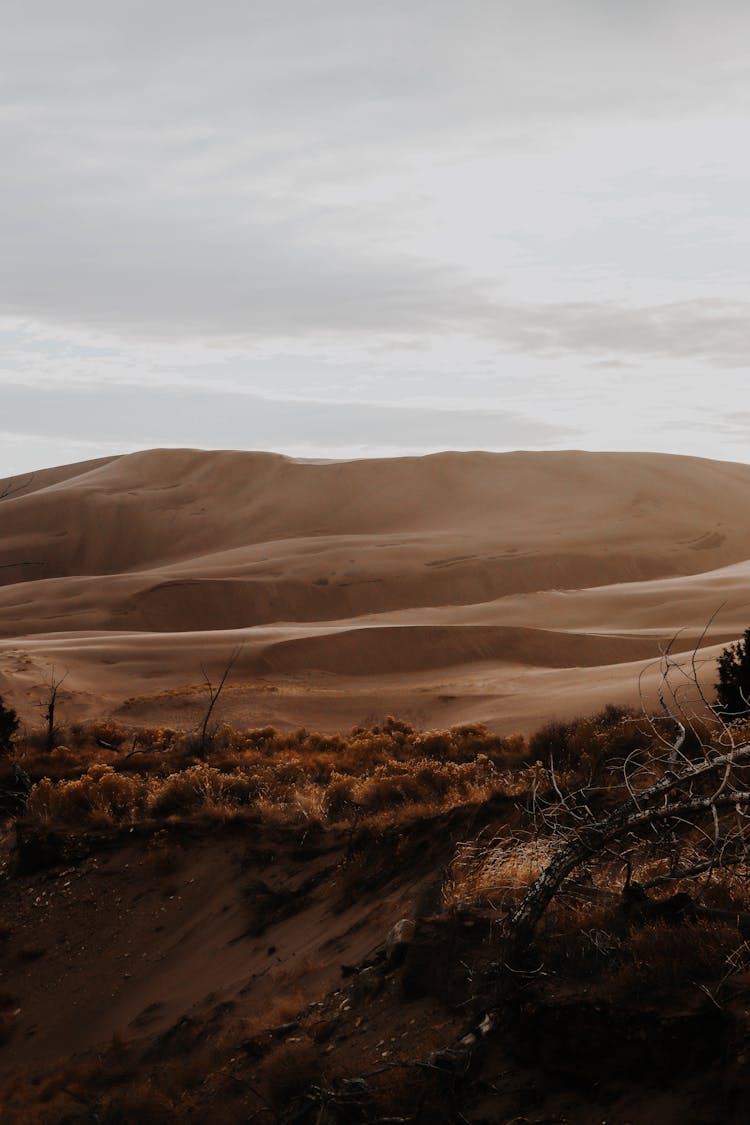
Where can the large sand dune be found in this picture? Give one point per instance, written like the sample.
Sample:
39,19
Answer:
499,587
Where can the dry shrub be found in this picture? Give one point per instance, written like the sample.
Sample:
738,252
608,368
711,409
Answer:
662,956
102,730
284,789
385,774
186,791
339,800
284,758
289,1070
496,873
101,794
426,782
385,789
588,744
275,812
310,801
63,756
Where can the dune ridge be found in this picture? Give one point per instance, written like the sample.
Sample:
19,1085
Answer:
497,587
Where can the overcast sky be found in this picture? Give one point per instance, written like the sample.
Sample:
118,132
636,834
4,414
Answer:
347,228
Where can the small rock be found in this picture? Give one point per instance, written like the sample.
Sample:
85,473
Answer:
488,1024
283,1029
398,941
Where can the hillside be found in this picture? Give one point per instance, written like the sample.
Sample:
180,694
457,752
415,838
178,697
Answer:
294,925
462,586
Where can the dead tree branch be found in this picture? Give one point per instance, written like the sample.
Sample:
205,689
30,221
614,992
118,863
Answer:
48,707
214,691
669,793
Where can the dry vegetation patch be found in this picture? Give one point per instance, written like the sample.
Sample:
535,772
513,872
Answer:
623,924
104,777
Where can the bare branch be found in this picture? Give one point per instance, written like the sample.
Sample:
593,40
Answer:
48,706
674,800
214,691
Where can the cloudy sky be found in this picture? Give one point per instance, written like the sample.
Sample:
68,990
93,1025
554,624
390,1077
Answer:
346,228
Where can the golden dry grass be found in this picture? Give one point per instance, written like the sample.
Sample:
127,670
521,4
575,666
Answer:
285,778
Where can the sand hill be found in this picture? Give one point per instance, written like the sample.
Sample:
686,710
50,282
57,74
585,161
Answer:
507,588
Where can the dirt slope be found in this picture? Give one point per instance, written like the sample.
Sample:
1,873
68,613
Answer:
503,587
138,932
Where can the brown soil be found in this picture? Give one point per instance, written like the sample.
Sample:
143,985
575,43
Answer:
232,972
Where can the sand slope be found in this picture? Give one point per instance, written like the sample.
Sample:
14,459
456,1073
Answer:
502,587
200,933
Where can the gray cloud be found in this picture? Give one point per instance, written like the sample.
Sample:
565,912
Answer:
709,329
169,274
133,416
505,191
173,167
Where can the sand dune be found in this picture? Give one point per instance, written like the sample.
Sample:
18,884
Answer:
502,587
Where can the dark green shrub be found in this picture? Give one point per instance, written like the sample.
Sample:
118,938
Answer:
8,727
733,688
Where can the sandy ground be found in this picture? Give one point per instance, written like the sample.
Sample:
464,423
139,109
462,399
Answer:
504,588
199,933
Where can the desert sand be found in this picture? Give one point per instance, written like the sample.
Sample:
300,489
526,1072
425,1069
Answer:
502,588
165,955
